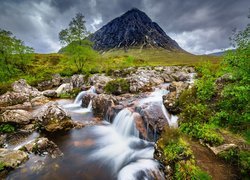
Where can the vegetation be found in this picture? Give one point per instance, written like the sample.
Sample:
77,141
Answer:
177,154
7,128
117,86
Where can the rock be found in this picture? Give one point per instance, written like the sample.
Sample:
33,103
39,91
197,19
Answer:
12,158
39,100
52,118
77,80
13,98
140,125
180,76
112,112
50,93
21,86
16,116
24,106
45,85
64,88
99,81
41,146
2,140
86,99
222,148
56,80
170,99
101,104
225,78
154,119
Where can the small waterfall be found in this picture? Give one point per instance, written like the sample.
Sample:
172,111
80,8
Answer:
172,120
124,123
79,97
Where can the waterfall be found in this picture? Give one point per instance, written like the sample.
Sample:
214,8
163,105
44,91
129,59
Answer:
172,120
78,99
124,123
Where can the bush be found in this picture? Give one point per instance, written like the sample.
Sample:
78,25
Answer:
117,87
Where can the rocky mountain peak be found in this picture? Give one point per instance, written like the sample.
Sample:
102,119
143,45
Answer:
132,29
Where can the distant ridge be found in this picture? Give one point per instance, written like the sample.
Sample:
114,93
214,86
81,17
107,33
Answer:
132,29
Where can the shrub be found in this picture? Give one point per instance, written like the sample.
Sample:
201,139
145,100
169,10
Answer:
117,87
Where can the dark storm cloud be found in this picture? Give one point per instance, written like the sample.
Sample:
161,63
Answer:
198,26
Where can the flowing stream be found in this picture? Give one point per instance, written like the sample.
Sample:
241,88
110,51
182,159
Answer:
105,151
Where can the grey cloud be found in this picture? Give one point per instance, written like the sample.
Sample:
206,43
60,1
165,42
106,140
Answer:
198,26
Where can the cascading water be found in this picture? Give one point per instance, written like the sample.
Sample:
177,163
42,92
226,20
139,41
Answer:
76,106
120,148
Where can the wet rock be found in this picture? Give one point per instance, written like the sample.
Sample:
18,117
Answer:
50,93
170,99
140,125
101,104
12,158
64,88
153,118
86,99
52,117
15,116
112,112
13,98
39,100
77,80
222,148
21,86
42,146
2,140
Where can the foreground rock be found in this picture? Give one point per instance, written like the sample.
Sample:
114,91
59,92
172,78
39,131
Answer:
13,98
21,86
53,118
42,146
64,88
15,116
12,158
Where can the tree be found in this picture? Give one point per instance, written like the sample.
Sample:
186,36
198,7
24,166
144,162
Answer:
14,55
77,46
75,32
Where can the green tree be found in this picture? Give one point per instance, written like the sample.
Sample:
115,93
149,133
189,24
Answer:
14,55
76,31
77,47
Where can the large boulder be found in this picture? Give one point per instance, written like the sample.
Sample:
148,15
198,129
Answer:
16,116
87,98
12,158
153,118
77,80
13,98
56,80
101,104
51,117
140,125
42,146
39,100
50,93
21,86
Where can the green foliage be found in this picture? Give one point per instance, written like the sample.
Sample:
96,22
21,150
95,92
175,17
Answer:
7,128
15,57
76,31
2,166
117,86
71,94
202,131
188,170
244,162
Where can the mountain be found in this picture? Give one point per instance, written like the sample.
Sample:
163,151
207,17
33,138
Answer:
132,29
220,53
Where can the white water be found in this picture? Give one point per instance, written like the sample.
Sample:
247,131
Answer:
76,106
120,148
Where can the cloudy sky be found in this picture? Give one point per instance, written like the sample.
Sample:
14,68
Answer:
199,26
